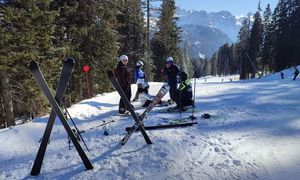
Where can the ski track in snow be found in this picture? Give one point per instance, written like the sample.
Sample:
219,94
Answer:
253,133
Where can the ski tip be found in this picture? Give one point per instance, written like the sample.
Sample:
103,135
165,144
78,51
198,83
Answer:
33,64
70,60
110,73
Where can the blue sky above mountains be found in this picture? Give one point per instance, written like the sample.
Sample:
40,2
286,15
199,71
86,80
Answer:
236,7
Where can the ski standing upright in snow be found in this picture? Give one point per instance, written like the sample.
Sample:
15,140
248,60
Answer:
56,110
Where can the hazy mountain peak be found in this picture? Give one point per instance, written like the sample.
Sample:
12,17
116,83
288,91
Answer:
205,32
222,20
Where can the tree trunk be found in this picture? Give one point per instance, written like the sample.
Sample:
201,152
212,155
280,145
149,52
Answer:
2,122
8,115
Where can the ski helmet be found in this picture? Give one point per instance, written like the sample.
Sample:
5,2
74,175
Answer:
169,59
123,57
140,63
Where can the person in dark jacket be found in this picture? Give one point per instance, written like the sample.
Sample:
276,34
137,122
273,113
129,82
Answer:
171,70
296,73
123,76
184,93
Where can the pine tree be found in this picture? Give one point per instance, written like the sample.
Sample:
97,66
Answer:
213,64
26,29
294,37
186,64
242,48
267,59
132,32
166,41
86,31
255,42
281,26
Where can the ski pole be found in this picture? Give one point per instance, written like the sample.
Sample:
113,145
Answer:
76,127
192,116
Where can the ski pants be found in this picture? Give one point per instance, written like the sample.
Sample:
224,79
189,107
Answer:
138,91
127,92
295,76
183,99
172,91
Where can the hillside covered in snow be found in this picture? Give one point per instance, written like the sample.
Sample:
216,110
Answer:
253,133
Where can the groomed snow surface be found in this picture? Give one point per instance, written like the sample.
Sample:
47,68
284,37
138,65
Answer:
254,133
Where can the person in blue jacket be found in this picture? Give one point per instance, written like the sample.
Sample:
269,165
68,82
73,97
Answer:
139,78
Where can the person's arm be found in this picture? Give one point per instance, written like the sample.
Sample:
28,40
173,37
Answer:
177,69
164,74
127,77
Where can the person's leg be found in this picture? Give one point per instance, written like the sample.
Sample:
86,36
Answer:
128,95
187,100
136,97
176,98
147,103
172,92
121,106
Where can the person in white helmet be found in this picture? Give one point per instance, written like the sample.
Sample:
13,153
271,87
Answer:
171,70
123,76
139,78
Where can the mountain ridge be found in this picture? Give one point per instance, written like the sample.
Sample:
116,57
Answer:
204,33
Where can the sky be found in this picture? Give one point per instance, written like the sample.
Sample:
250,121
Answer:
236,7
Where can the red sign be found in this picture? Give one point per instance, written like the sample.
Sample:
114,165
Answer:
86,68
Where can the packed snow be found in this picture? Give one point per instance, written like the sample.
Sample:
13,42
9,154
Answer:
253,133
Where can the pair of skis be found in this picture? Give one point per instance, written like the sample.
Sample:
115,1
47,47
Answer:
137,119
161,93
55,102
165,126
139,125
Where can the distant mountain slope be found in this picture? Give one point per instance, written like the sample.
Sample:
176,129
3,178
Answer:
203,41
206,32
222,20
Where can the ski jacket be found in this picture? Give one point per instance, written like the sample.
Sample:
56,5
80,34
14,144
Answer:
185,87
139,75
171,73
123,75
